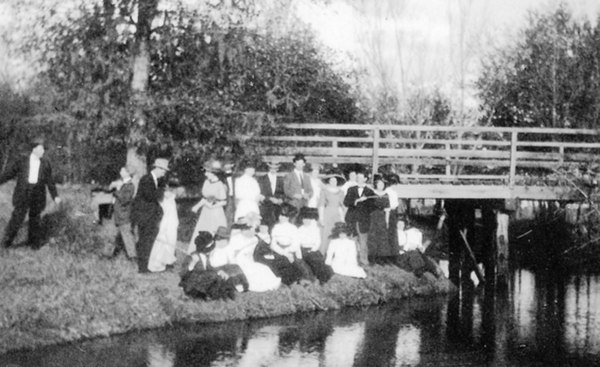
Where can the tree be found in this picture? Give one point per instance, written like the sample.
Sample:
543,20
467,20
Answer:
549,77
212,82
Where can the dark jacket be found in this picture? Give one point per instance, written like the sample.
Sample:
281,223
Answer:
293,186
123,203
37,195
360,212
268,210
146,208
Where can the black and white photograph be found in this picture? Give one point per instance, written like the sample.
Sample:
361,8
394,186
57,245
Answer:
328,183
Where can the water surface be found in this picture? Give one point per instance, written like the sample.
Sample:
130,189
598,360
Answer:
543,320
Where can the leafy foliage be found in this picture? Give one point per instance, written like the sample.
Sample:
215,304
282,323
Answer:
550,77
212,84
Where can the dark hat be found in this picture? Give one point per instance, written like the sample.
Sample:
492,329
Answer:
204,242
298,156
38,140
288,210
309,213
339,227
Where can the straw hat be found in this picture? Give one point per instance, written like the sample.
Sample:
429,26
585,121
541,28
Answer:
213,166
221,233
162,163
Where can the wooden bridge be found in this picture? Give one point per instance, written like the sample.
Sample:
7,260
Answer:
471,167
451,162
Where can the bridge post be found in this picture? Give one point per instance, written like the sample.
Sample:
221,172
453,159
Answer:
376,133
461,216
502,252
513,158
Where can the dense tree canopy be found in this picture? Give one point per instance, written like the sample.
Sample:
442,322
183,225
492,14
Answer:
211,84
550,77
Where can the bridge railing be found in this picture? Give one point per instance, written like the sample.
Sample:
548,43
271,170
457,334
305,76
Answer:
438,153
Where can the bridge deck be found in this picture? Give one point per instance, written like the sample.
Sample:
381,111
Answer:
451,161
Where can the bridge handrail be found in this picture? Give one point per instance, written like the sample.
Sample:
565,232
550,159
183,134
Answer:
497,151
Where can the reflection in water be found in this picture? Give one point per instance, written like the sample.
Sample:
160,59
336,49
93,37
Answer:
159,356
543,320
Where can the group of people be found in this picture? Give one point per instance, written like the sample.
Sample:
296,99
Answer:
296,227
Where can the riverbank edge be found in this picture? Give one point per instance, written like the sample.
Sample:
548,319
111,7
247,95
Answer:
155,301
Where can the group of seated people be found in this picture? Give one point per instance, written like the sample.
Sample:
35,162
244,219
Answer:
249,257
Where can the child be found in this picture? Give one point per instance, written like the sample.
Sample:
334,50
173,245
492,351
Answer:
309,237
342,254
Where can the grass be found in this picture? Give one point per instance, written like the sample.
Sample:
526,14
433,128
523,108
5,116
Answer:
66,291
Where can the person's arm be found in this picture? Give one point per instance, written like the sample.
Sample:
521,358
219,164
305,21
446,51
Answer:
50,181
125,194
11,172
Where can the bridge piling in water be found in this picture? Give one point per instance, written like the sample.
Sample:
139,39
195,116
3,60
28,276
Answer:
490,239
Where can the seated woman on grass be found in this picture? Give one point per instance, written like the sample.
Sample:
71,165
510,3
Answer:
241,247
412,257
342,253
201,280
284,241
309,237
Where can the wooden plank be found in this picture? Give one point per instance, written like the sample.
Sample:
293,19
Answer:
470,129
444,191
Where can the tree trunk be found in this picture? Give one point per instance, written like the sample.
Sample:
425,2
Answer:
147,10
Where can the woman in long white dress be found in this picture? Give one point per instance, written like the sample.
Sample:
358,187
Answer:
240,250
214,199
163,250
247,193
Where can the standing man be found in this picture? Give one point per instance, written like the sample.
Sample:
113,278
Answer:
33,174
296,184
359,213
123,199
147,211
271,187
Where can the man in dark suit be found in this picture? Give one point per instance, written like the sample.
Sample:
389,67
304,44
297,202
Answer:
296,184
271,187
358,214
33,174
147,212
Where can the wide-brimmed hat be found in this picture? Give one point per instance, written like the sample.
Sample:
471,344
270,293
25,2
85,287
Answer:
240,224
252,219
204,242
275,165
309,213
162,163
340,179
339,227
213,166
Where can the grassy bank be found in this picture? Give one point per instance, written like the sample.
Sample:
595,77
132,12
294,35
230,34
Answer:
65,291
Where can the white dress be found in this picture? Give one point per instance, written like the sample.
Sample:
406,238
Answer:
163,250
342,257
260,277
247,192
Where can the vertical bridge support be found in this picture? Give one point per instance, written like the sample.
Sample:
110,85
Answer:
488,245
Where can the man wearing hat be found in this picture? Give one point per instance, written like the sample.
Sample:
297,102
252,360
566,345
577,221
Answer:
271,187
33,174
147,212
296,184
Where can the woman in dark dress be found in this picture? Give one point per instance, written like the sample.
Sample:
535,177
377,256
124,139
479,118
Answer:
383,236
